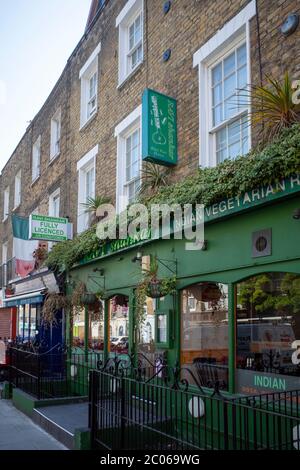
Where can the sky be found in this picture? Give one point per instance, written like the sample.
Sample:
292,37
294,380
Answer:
36,39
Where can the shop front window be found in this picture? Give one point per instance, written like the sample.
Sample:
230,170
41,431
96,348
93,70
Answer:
20,333
118,322
268,333
146,338
204,334
26,323
96,327
33,321
78,328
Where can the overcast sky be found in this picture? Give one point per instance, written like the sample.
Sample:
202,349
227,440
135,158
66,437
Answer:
36,39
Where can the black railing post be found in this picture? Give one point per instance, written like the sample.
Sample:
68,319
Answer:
93,405
10,377
39,377
16,366
226,430
123,412
91,383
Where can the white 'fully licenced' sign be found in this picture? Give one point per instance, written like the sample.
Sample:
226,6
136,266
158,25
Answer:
42,227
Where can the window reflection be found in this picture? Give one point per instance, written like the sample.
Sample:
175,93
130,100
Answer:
96,326
146,344
118,323
204,333
78,328
268,325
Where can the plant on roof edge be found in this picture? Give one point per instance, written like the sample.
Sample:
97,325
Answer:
91,206
153,178
272,106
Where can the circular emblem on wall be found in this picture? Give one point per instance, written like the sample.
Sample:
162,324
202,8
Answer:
73,371
196,407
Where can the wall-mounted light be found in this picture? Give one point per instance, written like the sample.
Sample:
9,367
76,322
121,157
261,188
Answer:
290,24
167,55
99,270
167,6
296,214
138,257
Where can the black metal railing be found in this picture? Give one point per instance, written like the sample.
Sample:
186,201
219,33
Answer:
129,409
59,372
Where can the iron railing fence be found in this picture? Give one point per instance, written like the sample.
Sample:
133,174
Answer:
129,409
59,372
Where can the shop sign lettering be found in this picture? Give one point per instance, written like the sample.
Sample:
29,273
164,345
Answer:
273,383
54,229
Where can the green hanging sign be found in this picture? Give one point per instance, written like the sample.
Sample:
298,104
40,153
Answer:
159,128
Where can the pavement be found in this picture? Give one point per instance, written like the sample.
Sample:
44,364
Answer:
18,432
69,417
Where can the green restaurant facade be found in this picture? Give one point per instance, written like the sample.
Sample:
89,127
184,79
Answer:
235,316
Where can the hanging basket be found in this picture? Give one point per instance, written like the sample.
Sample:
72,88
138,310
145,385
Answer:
154,289
206,292
88,298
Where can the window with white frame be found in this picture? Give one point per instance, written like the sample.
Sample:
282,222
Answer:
86,168
4,252
229,109
55,135
36,159
89,87
54,202
17,200
6,203
130,24
128,134
224,75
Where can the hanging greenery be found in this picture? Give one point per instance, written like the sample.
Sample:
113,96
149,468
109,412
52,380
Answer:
52,304
151,286
207,186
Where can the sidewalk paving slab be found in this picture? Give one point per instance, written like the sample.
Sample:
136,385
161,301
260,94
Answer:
18,432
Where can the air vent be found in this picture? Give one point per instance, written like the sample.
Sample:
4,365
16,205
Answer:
262,243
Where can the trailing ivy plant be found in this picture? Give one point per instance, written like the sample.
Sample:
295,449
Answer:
207,186
53,302
165,286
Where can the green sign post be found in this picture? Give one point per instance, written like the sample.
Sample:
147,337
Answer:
42,227
159,128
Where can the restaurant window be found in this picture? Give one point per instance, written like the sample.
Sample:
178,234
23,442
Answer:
96,326
20,323
78,327
27,322
118,319
146,334
204,333
268,333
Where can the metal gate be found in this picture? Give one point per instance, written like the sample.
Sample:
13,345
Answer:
129,409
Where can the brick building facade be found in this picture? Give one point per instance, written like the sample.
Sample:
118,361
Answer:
186,28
